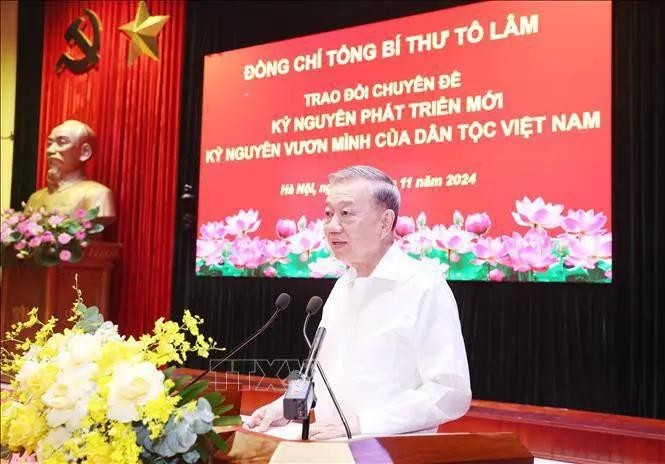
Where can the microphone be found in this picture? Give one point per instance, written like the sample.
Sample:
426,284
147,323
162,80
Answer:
281,303
313,307
299,398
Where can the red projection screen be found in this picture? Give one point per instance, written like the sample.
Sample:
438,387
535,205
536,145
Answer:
494,120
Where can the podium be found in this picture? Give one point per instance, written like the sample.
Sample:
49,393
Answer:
501,448
26,285
246,393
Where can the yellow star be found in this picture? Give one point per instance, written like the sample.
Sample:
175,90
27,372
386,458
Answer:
142,33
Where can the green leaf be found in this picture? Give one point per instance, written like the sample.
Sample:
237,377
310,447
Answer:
217,441
73,228
95,229
91,214
222,409
191,392
181,381
214,398
168,372
227,420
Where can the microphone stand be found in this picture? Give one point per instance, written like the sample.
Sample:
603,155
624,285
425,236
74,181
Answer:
305,429
239,347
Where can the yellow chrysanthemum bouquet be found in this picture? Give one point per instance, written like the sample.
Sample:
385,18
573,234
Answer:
90,395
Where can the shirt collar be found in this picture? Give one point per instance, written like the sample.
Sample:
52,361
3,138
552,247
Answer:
388,268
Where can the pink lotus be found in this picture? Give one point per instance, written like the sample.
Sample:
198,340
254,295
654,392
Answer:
537,213
80,235
56,220
5,237
65,255
496,275
529,255
243,223
270,272
317,227
587,250
35,242
29,228
47,237
489,250
305,241
213,230
478,223
277,251
14,219
327,267
285,228
79,213
64,238
417,243
452,239
247,253
210,251
584,222
405,226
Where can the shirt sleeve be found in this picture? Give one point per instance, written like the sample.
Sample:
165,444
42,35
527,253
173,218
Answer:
445,390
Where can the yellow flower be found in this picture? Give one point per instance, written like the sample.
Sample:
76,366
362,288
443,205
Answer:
37,378
115,351
26,428
53,457
191,323
123,444
53,345
97,449
157,412
8,411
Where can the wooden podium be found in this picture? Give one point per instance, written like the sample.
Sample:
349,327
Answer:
26,285
247,393
500,448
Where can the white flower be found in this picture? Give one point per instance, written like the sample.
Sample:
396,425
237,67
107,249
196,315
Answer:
131,386
55,439
67,399
28,370
80,349
107,331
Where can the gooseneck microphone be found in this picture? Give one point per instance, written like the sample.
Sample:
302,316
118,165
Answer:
281,303
313,307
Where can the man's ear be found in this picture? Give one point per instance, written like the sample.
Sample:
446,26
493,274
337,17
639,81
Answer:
387,221
86,152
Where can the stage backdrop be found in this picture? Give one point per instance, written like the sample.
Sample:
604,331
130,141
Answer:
491,119
134,109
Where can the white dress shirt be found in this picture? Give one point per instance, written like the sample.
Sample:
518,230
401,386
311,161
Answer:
393,351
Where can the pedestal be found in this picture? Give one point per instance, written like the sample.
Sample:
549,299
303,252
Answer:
26,285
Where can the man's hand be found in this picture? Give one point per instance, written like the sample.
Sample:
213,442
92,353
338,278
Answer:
328,430
270,415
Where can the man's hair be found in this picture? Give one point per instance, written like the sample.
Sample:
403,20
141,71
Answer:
383,188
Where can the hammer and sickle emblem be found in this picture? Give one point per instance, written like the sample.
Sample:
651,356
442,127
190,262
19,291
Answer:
90,49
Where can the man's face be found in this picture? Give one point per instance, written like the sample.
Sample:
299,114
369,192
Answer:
354,223
63,150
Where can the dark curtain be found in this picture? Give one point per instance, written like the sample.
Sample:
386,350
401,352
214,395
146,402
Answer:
580,346
28,92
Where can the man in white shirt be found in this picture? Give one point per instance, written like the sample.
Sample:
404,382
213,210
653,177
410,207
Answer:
393,353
